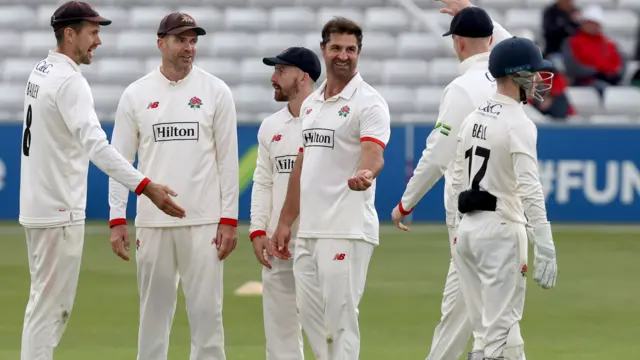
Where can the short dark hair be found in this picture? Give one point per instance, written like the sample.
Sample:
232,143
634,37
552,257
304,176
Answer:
341,25
59,32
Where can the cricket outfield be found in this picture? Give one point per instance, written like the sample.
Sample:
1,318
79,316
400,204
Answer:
592,314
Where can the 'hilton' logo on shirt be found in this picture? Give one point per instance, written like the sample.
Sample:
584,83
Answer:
176,131
318,137
284,164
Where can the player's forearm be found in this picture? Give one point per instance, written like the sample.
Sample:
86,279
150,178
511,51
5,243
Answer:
229,190
529,188
124,140
261,192
291,208
372,158
261,205
118,198
226,140
457,181
425,176
107,159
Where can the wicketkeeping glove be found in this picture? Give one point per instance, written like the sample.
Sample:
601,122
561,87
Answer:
546,268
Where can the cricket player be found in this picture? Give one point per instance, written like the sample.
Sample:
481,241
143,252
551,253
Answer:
61,134
295,72
345,128
473,33
496,182
181,122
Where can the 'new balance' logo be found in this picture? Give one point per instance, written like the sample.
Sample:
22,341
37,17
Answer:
153,105
339,257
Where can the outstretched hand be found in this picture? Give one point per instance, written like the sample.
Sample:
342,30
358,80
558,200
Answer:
454,6
361,181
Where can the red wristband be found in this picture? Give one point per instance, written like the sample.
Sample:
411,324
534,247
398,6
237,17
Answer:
257,233
403,211
116,222
142,185
228,221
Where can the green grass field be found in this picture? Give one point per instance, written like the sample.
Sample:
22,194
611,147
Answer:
592,314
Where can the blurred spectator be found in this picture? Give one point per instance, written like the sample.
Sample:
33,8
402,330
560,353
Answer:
559,21
556,104
592,59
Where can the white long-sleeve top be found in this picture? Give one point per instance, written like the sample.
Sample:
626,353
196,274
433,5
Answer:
463,95
185,136
61,134
497,153
278,146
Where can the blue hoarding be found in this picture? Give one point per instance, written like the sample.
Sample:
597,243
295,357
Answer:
590,174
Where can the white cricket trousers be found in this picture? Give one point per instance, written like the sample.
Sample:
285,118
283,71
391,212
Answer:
281,324
492,266
451,336
164,257
330,279
54,263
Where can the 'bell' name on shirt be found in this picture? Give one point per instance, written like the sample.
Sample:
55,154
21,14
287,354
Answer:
176,131
479,131
318,137
284,164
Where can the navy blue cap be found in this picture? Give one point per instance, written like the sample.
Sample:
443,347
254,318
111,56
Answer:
471,22
75,12
514,55
300,57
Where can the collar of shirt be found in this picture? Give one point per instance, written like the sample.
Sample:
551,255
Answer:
477,60
346,93
168,82
288,114
505,99
62,57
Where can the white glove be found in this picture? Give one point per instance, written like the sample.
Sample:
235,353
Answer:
544,252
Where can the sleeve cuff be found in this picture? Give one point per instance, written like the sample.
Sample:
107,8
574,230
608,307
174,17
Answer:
372,139
403,211
142,185
257,233
228,221
116,222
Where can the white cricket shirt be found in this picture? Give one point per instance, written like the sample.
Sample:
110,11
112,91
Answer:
463,95
497,153
278,145
185,136
332,131
61,134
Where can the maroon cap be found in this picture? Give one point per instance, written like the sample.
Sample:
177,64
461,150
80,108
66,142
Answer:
76,11
176,23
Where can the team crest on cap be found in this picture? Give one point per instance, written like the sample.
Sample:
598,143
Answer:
187,19
195,102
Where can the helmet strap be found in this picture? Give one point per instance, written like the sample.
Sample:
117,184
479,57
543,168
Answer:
523,95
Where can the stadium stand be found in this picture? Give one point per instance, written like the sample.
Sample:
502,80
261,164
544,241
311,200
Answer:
407,63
